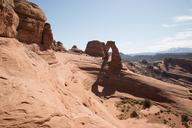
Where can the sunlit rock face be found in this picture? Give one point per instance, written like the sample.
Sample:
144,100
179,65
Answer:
95,48
31,21
8,19
115,64
47,37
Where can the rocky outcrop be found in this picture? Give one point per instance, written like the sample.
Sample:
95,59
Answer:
31,21
76,49
172,70
25,21
115,64
8,19
95,48
58,46
47,37
99,49
183,63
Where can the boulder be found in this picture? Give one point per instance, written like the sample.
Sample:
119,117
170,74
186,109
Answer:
95,48
31,21
47,37
8,19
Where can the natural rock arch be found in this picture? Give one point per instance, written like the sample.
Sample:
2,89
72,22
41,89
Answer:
115,65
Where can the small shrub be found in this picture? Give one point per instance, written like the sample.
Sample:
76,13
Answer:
157,113
184,118
165,121
122,110
147,104
176,115
186,125
134,114
125,101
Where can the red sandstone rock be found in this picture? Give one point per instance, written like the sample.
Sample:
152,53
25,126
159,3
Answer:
115,64
183,63
31,21
8,19
76,49
47,37
58,46
95,48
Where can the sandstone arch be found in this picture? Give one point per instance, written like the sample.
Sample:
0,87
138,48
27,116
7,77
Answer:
115,65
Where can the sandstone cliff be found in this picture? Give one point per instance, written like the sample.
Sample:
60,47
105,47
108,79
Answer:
8,19
26,21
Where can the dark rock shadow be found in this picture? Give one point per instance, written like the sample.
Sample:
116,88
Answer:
125,84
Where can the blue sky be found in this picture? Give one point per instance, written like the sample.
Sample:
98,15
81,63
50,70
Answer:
135,25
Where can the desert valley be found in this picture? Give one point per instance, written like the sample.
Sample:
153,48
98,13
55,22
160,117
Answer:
44,85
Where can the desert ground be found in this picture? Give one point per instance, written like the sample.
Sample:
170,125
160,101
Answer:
57,90
44,85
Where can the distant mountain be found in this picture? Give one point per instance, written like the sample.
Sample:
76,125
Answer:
170,53
171,50
142,53
177,50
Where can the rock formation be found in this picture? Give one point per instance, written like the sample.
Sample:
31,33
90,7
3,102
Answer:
27,22
115,64
99,49
183,63
76,49
172,70
95,48
58,46
8,19
47,37
31,21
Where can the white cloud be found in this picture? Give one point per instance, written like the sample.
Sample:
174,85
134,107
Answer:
185,25
183,19
181,39
169,25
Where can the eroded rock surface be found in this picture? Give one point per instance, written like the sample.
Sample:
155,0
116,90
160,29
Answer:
95,48
58,46
76,49
8,19
26,21
99,49
31,21
184,63
172,70
115,64
47,40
